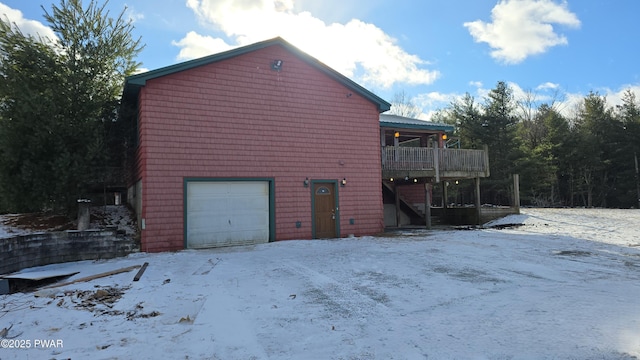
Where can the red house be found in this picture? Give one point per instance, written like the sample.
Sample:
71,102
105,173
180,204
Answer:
256,144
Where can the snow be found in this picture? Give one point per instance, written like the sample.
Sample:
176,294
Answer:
118,216
10,231
564,285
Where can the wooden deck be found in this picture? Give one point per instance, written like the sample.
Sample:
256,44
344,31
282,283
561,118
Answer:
439,163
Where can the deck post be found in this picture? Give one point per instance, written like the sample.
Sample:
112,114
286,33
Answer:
635,158
397,199
516,192
445,194
436,163
383,143
477,200
485,148
396,146
445,198
427,204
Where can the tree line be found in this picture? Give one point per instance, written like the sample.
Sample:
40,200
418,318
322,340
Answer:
60,137
587,158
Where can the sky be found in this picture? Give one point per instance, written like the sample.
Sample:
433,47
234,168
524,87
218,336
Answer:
433,51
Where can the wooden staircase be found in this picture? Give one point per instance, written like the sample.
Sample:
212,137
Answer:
415,213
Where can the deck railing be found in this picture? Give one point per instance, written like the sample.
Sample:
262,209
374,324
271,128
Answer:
438,159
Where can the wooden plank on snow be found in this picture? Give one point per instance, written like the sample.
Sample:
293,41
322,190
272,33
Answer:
141,271
97,276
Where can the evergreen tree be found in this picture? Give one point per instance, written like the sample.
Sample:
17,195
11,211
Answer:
499,125
556,147
588,160
59,102
29,113
628,116
594,130
544,169
465,115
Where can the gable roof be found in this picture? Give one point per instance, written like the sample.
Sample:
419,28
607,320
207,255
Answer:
133,83
401,122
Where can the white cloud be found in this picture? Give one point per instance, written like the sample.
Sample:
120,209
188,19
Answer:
564,102
567,102
521,28
26,26
141,70
132,14
614,97
434,99
548,86
430,102
354,48
194,45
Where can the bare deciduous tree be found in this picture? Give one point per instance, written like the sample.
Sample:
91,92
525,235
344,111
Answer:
402,105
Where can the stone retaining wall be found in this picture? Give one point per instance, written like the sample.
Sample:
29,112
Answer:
45,248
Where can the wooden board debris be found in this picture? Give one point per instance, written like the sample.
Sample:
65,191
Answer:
97,276
141,271
40,275
26,281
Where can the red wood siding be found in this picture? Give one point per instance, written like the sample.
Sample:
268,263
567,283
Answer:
237,118
414,193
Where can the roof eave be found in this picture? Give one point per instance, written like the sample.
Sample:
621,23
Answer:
431,127
134,82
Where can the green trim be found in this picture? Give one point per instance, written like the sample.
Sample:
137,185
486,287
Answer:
392,121
313,205
434,126
133,83
272,202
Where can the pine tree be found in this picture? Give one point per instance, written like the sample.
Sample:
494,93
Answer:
499,124
467,118
628,116
593,130
58,100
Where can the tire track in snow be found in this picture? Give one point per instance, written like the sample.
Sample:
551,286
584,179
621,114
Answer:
342,299
229,342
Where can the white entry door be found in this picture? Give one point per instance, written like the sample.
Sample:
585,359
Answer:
225,213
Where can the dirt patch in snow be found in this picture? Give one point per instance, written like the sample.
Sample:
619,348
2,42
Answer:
118,216
503,226
101,301
38,222
90,299
576,253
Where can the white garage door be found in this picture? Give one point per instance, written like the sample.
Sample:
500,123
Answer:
224,213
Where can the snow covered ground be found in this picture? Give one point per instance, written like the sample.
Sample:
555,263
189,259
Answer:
101,216
565,285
